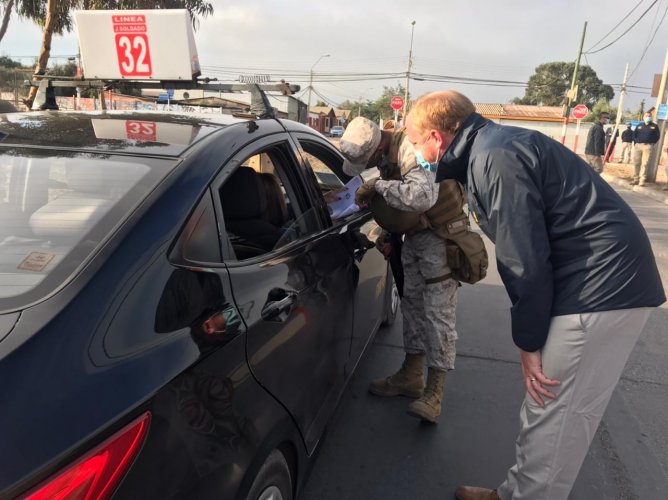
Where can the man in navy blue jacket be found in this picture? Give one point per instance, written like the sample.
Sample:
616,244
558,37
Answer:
577,265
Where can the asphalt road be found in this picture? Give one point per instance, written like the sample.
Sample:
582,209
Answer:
374,450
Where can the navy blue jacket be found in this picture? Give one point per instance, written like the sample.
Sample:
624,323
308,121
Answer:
566,242
646,134
595,140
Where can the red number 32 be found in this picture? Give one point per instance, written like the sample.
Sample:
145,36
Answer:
134,57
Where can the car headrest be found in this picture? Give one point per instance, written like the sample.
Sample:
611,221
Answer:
106,180
243,195
93,192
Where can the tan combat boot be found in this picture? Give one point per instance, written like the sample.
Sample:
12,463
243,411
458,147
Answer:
428,407
475,493
408,381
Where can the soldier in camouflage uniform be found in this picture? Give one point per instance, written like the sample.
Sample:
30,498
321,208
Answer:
430,294
365,146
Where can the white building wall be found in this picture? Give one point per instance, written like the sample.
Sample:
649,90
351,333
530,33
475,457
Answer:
553,130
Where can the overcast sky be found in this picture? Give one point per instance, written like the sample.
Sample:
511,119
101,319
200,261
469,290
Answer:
490,39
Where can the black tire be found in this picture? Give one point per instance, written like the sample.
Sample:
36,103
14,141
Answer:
273,481
392,301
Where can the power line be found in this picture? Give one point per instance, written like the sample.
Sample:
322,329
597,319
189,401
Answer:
629,29
616,26
649,43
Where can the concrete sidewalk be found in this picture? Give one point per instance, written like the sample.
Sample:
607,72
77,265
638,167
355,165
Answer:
621,174
654,191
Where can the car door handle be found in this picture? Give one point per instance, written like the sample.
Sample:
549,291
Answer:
359,253
282,303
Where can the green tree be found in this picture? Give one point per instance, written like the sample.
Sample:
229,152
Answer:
602,106
550,82
12,74
55,16
381,106
7,62
359,108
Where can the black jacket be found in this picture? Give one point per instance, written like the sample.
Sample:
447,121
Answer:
595,140
646,133
566,242
627,135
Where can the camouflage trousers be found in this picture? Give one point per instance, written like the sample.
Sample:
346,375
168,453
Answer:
429,303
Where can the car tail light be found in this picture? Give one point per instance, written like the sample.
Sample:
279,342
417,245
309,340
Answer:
96,475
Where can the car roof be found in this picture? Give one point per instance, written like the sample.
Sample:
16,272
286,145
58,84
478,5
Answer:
131,132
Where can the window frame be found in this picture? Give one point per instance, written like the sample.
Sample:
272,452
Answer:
296,191
312,181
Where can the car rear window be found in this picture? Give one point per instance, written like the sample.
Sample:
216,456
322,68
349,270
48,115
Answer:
55,210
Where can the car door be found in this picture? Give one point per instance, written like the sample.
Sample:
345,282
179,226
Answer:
324,163
291,281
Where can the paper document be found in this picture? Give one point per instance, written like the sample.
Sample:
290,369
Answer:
345,205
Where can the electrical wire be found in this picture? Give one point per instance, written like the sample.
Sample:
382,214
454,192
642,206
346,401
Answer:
629,29
649,43
616,26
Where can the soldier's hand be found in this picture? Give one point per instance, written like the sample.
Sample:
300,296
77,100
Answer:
365,193
385,249
384,244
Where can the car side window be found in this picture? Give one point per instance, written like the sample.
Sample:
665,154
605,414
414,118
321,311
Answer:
327,169
261,207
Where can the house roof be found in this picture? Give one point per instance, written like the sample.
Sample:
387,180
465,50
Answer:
520,112
342,113
325,110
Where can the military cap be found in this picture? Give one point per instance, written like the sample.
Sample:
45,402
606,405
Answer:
358,143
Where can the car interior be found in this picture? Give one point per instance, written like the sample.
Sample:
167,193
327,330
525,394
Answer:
48,208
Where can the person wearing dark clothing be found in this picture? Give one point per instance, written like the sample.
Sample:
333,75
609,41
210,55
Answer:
595,147
579,270
645,136
627,144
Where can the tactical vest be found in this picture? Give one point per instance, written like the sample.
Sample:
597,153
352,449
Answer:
466,253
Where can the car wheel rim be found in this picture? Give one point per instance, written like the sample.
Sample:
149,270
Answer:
395,299
271,493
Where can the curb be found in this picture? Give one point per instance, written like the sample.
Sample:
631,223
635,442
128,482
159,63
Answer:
661,196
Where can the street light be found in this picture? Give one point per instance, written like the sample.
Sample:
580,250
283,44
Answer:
310,85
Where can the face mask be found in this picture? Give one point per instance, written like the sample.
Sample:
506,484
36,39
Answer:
647,119
424,163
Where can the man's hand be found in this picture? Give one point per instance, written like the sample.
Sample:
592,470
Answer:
333,195
383,244
534,378
365,193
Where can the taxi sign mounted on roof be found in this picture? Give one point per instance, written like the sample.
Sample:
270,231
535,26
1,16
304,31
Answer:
137,44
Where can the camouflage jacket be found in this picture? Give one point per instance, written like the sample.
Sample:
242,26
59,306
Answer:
416,192
400,157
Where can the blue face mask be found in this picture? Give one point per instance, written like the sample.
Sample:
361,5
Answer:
424,163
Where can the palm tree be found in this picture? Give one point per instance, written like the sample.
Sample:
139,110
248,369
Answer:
54,16
8,6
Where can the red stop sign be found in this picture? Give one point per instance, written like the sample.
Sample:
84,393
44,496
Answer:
397,102
580,111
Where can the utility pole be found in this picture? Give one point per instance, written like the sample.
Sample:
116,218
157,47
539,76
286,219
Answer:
654,159
310,84
620,111
572,93
408,74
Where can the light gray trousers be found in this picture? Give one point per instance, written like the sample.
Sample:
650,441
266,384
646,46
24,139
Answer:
586,353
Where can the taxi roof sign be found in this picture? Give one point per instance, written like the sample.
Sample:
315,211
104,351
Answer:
137,44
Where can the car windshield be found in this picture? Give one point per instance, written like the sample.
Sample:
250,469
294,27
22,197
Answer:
56,209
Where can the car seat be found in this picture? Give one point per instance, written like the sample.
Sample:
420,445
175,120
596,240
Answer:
244,201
